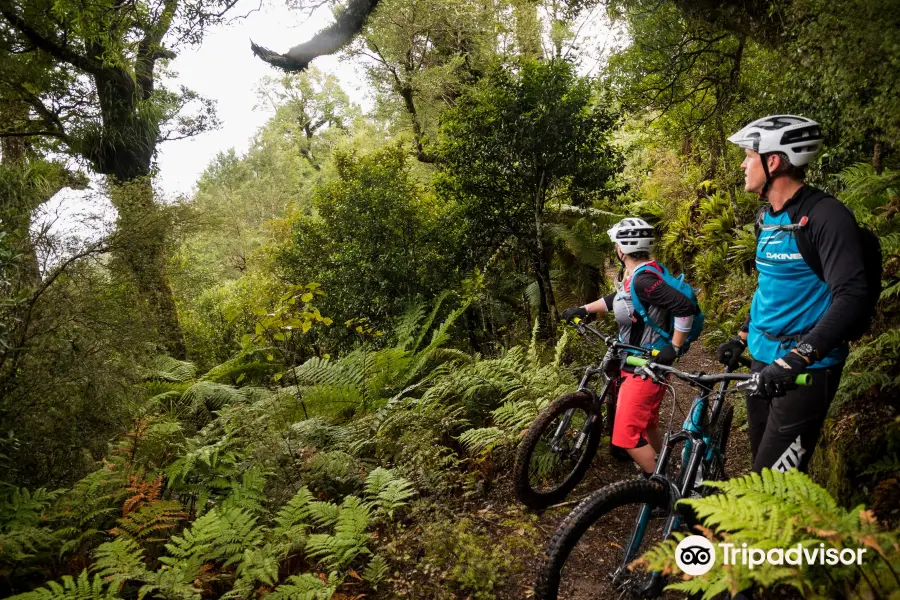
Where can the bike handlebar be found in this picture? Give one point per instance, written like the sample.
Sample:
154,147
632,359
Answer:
609,340
703,378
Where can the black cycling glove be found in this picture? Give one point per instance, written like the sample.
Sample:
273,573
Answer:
667,355
571,313
777,379
729,353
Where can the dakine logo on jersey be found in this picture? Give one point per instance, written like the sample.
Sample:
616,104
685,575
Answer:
778,256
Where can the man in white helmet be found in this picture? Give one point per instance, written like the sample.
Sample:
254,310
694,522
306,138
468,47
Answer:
810,284
636,426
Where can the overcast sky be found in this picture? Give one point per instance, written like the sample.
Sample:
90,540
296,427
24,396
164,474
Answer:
223,68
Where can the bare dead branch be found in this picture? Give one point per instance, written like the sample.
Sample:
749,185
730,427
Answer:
328,41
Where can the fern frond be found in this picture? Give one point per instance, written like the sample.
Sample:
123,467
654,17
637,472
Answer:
306,587
216,536
481,440
166,368
324,514
376,570
388,492
83,588
151,522
426,325
319,371
404,330
118,561
349,540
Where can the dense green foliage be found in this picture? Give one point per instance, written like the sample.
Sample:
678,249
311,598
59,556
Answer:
307,379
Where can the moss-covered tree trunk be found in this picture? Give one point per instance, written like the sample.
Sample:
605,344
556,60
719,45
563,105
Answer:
141,246
123,151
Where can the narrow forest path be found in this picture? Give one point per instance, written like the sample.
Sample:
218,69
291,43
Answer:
604,471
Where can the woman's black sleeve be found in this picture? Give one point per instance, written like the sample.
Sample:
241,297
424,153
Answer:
609,302
652,290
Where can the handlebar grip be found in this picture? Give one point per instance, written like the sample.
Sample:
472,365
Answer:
636,361
804,380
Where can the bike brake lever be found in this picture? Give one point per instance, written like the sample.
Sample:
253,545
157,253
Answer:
647,371
751,385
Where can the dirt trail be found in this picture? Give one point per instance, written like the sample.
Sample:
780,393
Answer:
606,470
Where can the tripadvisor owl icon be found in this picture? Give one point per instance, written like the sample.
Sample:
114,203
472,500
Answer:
695,555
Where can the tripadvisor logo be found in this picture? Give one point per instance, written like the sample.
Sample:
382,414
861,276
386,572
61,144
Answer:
696,555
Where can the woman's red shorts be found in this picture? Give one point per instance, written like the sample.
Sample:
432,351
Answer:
636,410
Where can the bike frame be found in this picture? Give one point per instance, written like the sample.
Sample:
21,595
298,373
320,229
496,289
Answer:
695,433
613,347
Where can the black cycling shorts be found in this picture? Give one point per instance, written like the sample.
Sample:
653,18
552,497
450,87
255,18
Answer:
784,431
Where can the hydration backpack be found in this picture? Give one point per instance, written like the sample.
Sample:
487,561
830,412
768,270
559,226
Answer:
680,285
871,252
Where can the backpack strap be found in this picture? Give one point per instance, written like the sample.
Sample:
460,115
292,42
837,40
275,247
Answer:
760,215
799,215
639,307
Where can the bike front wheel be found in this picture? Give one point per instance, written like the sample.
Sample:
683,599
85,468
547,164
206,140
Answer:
590,554
557,450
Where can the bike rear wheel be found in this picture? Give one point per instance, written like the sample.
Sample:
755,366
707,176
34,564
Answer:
546,471
585,559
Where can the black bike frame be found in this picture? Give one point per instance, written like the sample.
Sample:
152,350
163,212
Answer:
597,400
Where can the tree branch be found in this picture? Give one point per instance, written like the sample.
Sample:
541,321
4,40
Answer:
150,49
328,41
47,43
12,134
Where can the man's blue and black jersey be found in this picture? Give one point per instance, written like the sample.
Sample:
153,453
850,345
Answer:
790,299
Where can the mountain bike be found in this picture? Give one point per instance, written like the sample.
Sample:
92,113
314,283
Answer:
590,554
559,446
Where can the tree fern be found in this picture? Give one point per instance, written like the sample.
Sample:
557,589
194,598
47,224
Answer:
319,371
166,368
582,243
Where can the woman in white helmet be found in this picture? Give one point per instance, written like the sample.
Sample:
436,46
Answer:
636,426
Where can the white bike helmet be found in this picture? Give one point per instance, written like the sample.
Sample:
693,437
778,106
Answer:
798,138
633,235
